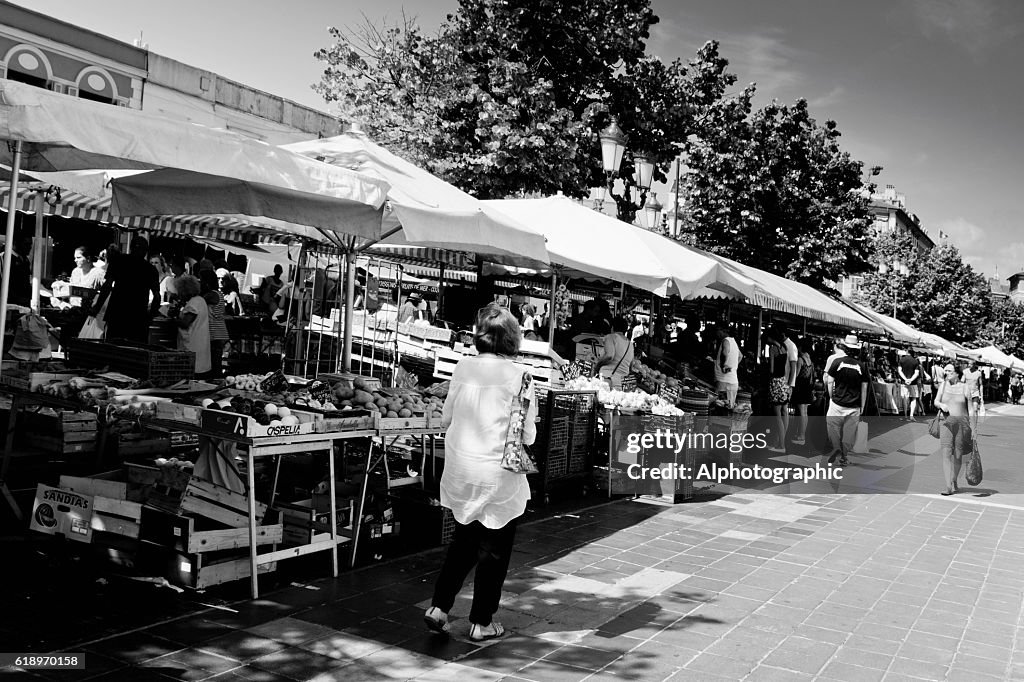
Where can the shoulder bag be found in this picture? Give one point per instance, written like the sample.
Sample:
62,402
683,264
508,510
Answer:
934,428
515,457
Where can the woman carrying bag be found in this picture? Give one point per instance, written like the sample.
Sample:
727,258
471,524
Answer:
482,412
954,430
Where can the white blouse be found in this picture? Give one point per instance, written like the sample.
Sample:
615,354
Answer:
477,411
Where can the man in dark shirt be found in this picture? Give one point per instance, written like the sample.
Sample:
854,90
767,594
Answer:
133,288
909,375
849,396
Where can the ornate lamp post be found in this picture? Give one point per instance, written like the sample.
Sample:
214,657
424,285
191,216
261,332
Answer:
613,148
899,269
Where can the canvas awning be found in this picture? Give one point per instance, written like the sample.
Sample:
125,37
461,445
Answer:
899,331
583,242
994,356
426,210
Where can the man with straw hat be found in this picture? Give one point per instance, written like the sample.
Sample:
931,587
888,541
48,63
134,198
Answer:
848,397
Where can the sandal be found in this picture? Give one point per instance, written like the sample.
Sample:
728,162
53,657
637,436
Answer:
480,633
437,620
946,492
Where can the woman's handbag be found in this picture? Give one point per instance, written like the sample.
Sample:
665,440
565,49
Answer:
974,470
934,428
515,457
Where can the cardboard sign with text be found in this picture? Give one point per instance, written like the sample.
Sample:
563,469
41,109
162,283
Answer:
62,512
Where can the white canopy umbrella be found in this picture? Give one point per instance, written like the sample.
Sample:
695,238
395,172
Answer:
53,132
426,210
994,356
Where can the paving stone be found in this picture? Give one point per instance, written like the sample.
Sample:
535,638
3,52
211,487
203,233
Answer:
242,646
764,673
986,666
720,665
919,669
847,672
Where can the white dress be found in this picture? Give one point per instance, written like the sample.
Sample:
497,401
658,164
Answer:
196,337
477,410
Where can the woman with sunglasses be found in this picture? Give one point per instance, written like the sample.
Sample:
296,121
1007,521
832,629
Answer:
955,431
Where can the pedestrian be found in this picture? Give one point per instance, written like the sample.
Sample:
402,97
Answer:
485,499
908,371
849,396
727,363
232,299
1004,385
193,321
617,358
529,323
954,434
803,391
972,378
85,274
210,291
938,376
269,288
133,291
778,387
410,310
837,352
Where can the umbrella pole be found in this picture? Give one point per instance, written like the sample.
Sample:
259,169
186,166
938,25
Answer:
440,294
760,321
551,309
37,250
5,286
350,296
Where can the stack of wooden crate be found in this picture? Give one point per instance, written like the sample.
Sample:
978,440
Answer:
59,431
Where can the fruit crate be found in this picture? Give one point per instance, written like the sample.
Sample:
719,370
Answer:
159,365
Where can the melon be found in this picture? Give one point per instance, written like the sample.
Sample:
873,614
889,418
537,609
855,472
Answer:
391,413
404,413
362,397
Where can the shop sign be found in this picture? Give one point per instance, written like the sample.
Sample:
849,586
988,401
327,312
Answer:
56,511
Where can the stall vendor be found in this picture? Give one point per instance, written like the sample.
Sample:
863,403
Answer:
614,364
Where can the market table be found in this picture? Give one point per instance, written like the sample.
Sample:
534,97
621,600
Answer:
274,446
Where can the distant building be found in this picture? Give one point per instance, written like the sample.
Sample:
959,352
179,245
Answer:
889,213
44,51
1016,290
997,288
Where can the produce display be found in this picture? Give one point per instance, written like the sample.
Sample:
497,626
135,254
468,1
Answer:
266,413
626,400
389,403
652,377
246,382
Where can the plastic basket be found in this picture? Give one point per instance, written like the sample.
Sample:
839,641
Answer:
159,365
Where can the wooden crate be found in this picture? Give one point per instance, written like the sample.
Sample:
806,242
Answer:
306,521
112,512
58,445
50,421
197,571
208,500
189,535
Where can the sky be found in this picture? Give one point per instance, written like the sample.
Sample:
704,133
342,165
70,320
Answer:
928,89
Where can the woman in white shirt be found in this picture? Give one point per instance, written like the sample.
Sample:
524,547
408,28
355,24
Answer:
193,322
615,362
486,500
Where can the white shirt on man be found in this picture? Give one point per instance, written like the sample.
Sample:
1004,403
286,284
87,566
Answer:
728,356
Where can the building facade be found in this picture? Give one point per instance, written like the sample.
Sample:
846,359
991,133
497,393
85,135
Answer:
49,53
889,214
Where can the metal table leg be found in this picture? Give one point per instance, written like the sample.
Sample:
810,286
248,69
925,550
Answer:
253,567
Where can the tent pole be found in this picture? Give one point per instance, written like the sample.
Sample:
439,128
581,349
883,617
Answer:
350,296
37,250
440,293
5,286
551,309
760,321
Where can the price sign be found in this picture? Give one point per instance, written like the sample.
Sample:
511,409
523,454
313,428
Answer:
629,383
320,390
586,367
275,383
570,371
669,393
372,299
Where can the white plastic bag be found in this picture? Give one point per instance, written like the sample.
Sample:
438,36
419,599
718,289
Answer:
92,329
861,443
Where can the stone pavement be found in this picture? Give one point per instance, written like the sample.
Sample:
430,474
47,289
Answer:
747,587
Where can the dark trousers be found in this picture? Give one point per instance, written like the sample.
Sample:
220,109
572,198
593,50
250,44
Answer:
489,549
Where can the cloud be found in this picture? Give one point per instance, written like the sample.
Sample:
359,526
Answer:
984,250
974,25
830,98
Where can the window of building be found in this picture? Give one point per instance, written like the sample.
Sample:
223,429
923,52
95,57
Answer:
25,66
96,86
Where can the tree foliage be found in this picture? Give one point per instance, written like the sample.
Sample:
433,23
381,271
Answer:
941,294
1005,328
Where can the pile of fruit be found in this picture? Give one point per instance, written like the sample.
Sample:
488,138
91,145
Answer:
652,377
395,403
246,382
640,401
265,413
587,384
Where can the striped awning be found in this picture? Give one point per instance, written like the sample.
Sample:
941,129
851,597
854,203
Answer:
82,207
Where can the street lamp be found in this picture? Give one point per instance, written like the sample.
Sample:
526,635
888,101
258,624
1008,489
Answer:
899,269
650,216
613,148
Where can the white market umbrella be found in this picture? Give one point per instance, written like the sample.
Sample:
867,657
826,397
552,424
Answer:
426,210
53,132
994,356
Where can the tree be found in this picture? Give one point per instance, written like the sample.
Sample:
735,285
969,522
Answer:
880,291
1005,328
506,99
776,191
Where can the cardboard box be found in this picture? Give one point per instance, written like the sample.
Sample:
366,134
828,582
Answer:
34,379
231,424
62,512
176,412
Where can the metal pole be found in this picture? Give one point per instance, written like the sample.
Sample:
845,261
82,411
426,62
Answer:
760,321
350,296
675,211
37,250
440,293
551,309
5,286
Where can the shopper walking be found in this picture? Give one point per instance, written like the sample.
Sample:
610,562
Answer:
803,391
954,434
218,328
849,396
972,378
485,499
908,371
727,363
